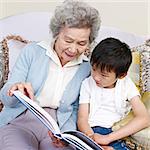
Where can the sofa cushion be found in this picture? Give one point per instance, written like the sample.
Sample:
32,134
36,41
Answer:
143,136
10,47
144,51
134,70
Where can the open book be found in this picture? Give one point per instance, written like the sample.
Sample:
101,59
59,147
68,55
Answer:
76,138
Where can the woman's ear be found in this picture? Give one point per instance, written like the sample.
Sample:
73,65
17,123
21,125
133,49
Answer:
121,76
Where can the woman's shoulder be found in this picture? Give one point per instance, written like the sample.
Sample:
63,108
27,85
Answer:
33,48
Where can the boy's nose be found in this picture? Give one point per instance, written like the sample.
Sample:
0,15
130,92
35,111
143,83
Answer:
97,79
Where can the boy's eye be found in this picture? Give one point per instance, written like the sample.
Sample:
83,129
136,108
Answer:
105,76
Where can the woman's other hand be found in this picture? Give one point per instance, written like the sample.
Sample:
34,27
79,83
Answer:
57,142
107,148
25,88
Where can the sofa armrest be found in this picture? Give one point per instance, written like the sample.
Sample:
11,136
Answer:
139,140
1,106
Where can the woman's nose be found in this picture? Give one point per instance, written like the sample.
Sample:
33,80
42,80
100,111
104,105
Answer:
73,48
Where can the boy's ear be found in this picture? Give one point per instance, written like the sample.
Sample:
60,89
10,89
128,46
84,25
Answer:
122,75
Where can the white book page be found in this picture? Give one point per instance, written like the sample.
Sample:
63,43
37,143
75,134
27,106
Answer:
76,141
38,112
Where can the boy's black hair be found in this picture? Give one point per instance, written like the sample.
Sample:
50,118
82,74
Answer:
112,55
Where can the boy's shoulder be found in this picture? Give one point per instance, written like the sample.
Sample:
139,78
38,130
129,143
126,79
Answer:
126,83
125,80
88,79
88,82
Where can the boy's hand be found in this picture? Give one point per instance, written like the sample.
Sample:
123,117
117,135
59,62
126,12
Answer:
107,148
101,139
57,142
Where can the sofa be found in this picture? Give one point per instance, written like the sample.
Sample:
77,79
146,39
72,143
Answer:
18,30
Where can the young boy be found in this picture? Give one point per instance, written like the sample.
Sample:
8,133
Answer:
108,94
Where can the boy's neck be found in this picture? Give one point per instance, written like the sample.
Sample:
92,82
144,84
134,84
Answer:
111,86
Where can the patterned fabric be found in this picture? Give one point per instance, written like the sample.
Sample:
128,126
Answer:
144,51
4,59
3,62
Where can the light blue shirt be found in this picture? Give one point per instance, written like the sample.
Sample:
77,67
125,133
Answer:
32,66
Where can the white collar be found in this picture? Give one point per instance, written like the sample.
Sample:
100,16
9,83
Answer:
52,54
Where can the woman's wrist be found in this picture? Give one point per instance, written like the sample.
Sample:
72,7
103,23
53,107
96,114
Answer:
90,135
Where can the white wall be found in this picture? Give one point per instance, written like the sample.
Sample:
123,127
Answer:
128,15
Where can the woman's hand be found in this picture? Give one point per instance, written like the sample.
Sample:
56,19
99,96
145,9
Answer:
25,88
57,142
101,139
107,148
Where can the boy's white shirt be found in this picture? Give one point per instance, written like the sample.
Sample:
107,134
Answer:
58,76
107,106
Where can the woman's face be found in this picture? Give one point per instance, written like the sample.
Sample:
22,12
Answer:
71,42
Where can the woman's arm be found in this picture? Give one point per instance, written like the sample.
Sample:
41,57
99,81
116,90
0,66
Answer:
18,77
82,122
141,120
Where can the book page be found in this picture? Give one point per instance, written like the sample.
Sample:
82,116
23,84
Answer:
82,140
76,142
39,112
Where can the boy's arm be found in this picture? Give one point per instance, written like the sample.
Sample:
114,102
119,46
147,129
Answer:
141,120
83,114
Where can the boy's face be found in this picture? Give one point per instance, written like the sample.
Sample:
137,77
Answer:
104,79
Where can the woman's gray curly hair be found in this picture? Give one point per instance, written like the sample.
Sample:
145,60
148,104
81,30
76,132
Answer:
74,13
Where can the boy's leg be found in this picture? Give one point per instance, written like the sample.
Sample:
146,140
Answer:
119,145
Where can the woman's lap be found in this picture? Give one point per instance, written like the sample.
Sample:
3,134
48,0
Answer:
26,132
12,138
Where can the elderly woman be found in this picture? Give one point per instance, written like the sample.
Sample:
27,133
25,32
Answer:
50,72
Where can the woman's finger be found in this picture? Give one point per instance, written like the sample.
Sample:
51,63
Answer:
29,90
17,86
25,88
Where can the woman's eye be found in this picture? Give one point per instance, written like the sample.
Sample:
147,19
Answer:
82,43
69,41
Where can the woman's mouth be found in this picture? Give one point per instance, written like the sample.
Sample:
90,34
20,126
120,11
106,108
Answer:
70,55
